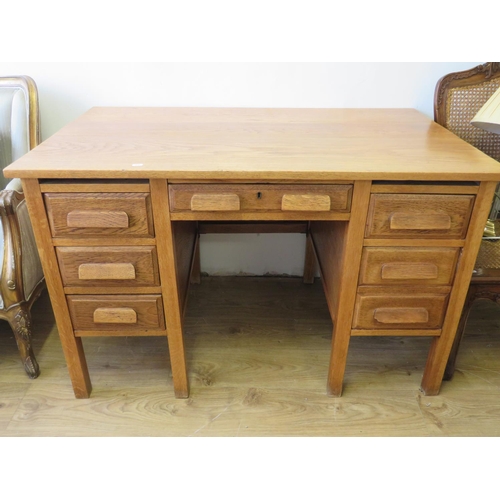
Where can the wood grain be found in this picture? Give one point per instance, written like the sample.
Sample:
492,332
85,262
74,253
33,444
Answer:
405,315
125,271
328,241
97,219
249,144
431,222
223,202
115,315
306,202
95,186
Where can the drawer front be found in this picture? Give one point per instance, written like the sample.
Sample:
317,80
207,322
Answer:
255,197
408,265
108,266
419,215
393,308
99,214
116,312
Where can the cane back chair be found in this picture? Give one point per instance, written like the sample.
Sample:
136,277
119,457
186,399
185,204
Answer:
458,97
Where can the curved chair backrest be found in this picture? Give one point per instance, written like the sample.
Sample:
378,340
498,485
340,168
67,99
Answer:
19,119
457,99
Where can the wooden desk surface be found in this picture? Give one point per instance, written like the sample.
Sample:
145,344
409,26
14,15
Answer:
264,144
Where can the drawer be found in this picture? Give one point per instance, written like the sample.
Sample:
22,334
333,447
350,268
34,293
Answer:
401,308
116,312
108,266
99,214
408,265
256,197
418,215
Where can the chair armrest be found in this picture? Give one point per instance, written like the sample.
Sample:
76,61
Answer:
21,267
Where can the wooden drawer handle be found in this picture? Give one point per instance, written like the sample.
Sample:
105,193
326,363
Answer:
401,220
306,202
125,271
115,315
215,202
405,315
97,218
409,271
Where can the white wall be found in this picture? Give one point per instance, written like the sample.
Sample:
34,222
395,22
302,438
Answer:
66,90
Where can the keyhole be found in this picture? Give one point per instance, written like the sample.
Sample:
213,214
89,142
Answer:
259,195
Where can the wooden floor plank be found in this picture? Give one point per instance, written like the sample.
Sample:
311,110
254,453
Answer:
257,352
11,396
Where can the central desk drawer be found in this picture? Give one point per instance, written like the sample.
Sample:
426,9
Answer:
108,266
99,214
260,197
400,308
408,265
116,312
419,215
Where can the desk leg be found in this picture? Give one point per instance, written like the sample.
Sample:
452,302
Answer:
349,247
441,346
72,346
169,284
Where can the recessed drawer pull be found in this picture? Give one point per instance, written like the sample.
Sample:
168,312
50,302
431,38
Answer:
401,220
118,271
408,315
215,202
97,218
409,271
306,202
115,315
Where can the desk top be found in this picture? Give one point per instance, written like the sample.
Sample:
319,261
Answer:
249,144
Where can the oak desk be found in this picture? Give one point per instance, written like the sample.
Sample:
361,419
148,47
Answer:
394,206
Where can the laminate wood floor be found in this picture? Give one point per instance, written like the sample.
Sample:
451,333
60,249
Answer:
257,351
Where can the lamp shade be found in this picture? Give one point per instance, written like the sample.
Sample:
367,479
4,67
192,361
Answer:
488,117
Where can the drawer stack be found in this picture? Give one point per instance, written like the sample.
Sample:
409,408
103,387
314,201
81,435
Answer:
413,241
104,238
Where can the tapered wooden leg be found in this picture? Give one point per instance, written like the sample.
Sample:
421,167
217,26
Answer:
169,284
20,322
338,359
349,239
441,346
309,261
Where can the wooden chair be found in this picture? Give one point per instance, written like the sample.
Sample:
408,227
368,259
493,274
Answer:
457,99
21,278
